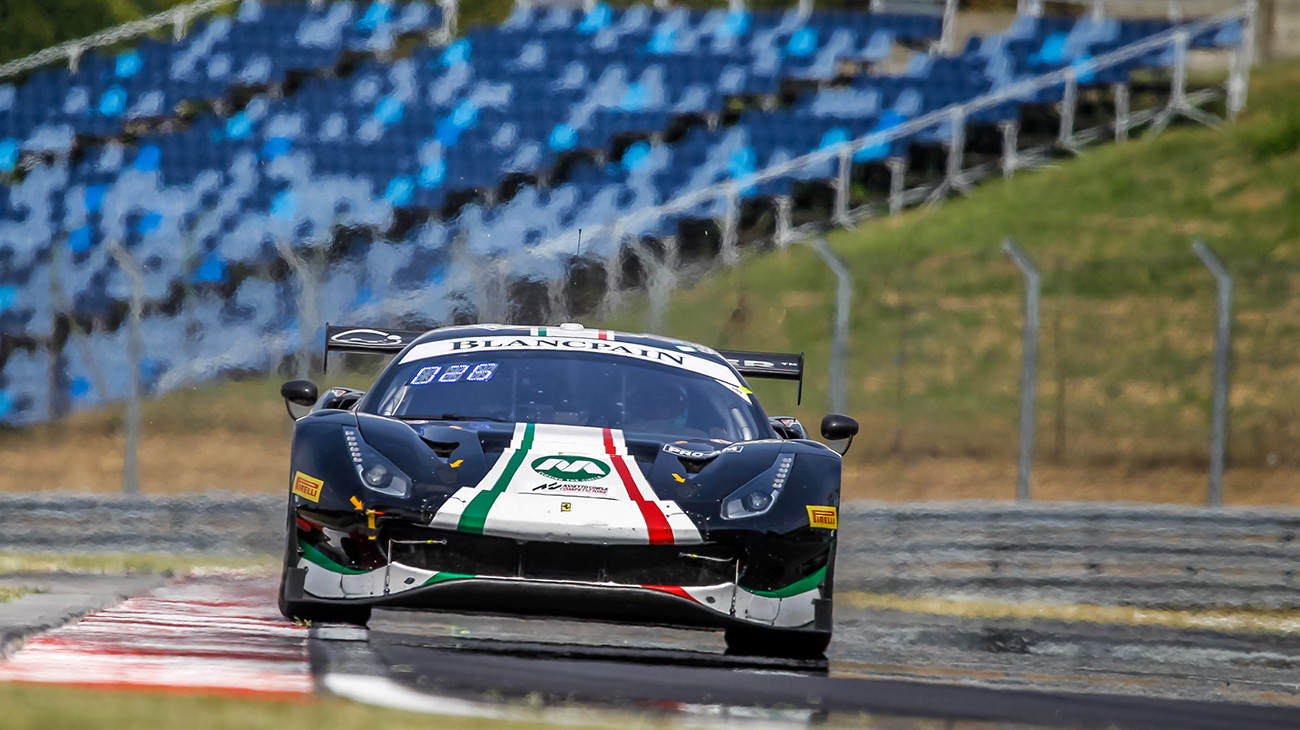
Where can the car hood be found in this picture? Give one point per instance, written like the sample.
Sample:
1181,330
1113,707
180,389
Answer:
576,483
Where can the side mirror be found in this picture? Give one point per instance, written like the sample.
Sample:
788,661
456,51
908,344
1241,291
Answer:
298,392
836,427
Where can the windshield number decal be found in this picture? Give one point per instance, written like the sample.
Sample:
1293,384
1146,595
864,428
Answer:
478,372
482,371
426,375
453,373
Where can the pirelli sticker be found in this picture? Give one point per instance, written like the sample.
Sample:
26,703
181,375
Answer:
309,487
826,517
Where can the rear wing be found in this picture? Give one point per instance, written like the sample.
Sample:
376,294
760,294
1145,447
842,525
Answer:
772,365
366,340
384,341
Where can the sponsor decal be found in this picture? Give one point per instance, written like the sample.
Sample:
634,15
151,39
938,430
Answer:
570,468
689,453
826,517
361,336
577,343
591,489
566,506
307,487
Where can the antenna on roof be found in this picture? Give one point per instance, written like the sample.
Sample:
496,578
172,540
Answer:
579,253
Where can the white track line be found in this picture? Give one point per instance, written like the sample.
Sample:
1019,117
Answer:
217,633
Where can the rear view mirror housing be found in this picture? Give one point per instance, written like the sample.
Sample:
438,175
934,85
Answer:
837,427
299,393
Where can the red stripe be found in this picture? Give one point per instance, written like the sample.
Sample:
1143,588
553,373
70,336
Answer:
675,590
602,335
655,522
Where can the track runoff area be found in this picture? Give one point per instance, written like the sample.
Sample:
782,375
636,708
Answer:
220,632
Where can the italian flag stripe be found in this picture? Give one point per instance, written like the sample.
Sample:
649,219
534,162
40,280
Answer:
603,335
541,331
476,512
655,522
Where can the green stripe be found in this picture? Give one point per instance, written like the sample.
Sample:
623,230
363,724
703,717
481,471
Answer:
315,556
440,577
476,512
541,331
794,589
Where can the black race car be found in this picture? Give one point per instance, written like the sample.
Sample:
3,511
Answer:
563,471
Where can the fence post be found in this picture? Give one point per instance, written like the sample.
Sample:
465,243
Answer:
1069,103
134,353
840,338
953,180
1222,360
306,305
949,21
730,226
1121,112
1028,368
1242,60
1010,149
897,180
842,186
784,220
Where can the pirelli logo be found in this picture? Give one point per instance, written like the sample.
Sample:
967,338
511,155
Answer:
307,487
826,517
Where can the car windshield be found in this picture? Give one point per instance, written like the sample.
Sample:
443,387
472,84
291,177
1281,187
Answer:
600,390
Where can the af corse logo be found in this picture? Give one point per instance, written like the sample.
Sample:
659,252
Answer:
570,468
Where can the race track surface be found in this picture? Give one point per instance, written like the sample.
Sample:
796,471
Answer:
221,633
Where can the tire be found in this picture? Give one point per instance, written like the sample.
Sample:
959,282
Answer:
754,641
302,610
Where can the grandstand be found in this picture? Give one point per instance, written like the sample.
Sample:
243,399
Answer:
286,164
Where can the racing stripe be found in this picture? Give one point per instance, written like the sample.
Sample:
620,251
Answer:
655,522
475,514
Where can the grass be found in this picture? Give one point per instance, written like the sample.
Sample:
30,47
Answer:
118,563
1126,343
34,707
13,594
1237,621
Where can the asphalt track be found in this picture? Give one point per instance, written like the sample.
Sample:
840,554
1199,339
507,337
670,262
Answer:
615,666
892,669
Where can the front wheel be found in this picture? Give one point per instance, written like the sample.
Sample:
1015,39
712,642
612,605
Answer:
314,612
756,641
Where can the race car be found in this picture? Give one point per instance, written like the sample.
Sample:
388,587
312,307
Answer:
563,471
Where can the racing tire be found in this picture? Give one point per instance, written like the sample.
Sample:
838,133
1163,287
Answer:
785,644
302,610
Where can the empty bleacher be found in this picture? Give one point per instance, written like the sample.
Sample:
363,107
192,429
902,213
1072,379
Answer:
387,163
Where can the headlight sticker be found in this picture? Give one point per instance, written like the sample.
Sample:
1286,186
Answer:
824,517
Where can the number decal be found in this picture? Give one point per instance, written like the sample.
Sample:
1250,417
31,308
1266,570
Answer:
482,371
453,373
426,375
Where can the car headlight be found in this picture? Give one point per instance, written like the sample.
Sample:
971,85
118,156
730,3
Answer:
760,493
375,471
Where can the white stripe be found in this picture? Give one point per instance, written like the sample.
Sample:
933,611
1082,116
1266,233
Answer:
206,633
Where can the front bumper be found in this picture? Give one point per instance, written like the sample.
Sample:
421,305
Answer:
751,580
